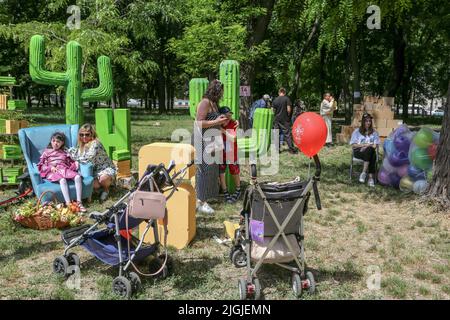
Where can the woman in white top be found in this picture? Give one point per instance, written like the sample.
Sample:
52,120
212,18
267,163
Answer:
364,142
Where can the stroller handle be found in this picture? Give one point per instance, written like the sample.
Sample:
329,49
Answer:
315,179
318,167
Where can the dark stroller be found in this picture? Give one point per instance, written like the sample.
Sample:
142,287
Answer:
271,212
114,244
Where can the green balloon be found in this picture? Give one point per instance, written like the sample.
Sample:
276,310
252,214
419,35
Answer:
421,159
423,138
406,184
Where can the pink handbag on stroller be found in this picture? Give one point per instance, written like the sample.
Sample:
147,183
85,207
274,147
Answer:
147,205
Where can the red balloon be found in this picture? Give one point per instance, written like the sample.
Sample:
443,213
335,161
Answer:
309,133
432,150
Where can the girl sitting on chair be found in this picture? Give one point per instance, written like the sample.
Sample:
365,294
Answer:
364,142
56,165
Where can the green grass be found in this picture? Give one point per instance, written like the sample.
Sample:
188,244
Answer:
357,228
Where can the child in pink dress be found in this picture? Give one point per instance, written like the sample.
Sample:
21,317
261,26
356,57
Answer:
56,165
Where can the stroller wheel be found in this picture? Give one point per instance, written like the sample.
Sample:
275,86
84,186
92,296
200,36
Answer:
239,258
242,286
312,282
135,281
297,285
257,293
121,286
73,259
60,265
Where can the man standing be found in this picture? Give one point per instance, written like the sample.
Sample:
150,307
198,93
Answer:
283,113
326,111
261,103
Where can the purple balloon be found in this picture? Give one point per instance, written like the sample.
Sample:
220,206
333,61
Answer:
383,177
416,173
403,170
399,158
395,180
402,142
400,130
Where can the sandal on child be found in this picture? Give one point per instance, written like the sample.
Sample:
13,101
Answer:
81,207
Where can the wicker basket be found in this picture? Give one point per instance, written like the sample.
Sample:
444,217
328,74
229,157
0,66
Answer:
41,222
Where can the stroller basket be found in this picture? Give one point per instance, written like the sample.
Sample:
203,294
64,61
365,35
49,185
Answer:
281,198
103,246
73,233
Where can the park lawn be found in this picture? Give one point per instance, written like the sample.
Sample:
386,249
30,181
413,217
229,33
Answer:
358,230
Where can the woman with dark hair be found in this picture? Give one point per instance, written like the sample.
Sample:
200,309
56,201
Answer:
90,149
364,142
207,142
56,165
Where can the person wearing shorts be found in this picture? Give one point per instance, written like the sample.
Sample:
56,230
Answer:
229,157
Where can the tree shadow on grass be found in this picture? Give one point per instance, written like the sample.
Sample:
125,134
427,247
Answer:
193,273
31,250
340,175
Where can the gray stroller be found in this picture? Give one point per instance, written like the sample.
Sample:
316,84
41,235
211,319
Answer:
272,231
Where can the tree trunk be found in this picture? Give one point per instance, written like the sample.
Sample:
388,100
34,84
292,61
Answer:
356,71
440,184
298,62
406,89
399,63
257,30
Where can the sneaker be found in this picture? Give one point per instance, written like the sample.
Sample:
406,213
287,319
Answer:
104,196
371,183
362,177
236,195
205,208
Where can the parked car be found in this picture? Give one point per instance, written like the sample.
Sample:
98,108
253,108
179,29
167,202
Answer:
180,103
134,102
437,113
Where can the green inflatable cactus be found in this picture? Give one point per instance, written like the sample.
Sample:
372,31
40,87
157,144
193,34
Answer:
72,78
259,142
197,88
229,76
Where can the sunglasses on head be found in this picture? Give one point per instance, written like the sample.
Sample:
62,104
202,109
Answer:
82,135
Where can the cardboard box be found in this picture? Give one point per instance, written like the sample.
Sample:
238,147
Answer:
384,132
123,168
3,102
383,114
379,123
347,130
393,123
12,126
388,101
24,124
342,138
358,107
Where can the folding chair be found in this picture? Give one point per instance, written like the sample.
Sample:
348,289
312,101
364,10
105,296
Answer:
355,161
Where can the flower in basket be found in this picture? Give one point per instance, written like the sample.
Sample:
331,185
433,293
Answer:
25,211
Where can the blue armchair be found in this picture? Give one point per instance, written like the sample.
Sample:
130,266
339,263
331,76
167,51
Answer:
33,141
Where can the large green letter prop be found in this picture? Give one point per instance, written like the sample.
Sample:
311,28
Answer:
72,78
114,130
197,88
229,76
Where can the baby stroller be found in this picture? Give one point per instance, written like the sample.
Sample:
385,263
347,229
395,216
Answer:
114,244
273,212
